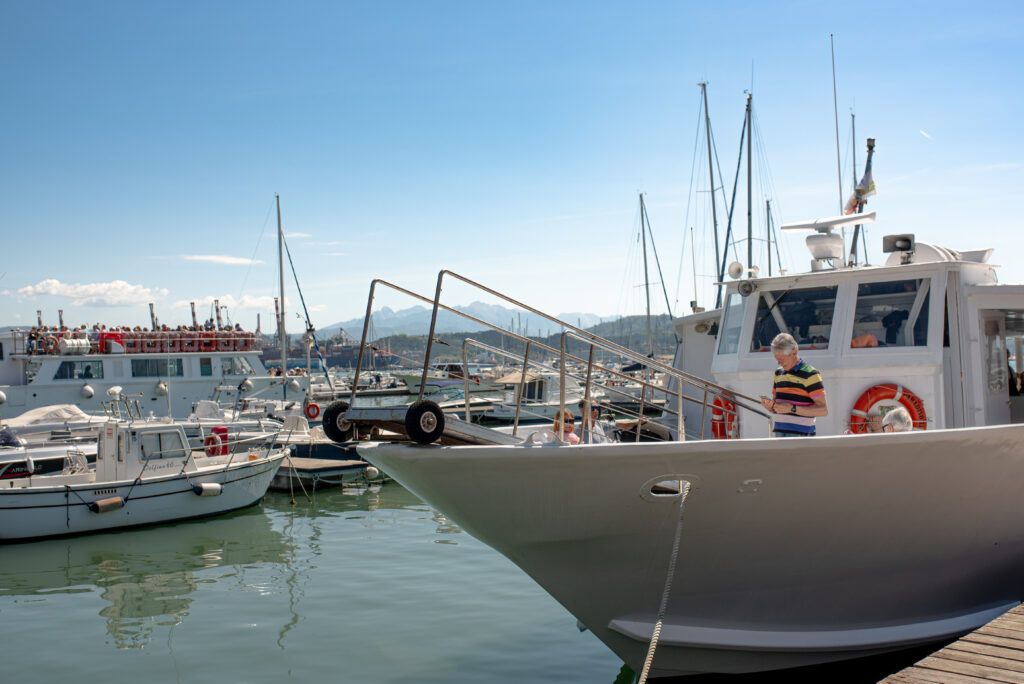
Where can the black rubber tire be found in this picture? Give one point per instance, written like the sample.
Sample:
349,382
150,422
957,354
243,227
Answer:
424,422
649,432
335,426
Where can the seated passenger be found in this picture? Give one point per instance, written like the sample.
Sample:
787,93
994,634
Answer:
563,427
897,420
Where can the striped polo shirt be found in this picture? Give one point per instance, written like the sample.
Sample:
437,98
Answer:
799,386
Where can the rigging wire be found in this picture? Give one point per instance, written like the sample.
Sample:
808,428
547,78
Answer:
689,199
309,324
252,259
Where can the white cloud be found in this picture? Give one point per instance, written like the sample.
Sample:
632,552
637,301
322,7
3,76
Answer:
114,293
926,135
298,235
221,259
5,293
233,304
318,307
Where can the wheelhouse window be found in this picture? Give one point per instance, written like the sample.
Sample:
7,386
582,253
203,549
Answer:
732,321
805,314
236,365
162,445
892,314
205,366
157,368
79,370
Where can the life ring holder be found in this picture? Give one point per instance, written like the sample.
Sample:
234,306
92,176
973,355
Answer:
887,391
312,410
725,421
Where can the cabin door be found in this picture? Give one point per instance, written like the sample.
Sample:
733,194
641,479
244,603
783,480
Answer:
995,372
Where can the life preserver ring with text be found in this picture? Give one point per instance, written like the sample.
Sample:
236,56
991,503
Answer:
887,392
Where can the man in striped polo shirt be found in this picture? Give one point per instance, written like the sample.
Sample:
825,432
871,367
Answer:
798,396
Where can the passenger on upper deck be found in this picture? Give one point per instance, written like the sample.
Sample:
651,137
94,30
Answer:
563,427
798,392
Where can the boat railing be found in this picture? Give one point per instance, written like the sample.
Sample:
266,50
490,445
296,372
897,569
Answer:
83,342
709,391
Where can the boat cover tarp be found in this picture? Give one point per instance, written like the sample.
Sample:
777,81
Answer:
56,413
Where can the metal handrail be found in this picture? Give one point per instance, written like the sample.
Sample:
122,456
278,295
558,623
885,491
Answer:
708,388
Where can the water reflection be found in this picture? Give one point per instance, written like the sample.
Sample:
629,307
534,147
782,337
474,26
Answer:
146,576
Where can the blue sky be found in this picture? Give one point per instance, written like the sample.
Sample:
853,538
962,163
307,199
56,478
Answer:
143,144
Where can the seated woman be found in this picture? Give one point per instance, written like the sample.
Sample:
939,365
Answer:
563,427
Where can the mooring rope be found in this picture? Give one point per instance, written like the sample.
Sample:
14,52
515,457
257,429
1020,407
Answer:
685,492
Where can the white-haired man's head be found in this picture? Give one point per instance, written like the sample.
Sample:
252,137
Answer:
897,420
786,350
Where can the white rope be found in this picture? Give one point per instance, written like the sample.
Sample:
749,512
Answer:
668,586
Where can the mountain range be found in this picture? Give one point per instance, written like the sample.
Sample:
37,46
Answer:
416,321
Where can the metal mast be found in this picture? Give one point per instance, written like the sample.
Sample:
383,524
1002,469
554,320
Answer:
647,281
750,205
711,175
283,339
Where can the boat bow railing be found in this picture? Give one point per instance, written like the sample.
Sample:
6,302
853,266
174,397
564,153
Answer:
707,390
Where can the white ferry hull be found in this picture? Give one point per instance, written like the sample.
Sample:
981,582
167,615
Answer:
46,511
793,551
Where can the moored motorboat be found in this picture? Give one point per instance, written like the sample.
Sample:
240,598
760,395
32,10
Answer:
145,472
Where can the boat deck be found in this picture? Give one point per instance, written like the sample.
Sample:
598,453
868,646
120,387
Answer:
297,472
992,653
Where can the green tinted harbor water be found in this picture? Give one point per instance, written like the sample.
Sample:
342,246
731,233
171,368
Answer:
371,586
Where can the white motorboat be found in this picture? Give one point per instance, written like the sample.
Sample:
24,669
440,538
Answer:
145,473
790,552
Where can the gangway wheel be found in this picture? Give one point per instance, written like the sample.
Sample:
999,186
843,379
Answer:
336,427
424,421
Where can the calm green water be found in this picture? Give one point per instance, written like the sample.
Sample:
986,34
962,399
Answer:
371,586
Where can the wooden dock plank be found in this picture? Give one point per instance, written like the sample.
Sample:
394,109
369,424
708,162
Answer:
991,653
979,648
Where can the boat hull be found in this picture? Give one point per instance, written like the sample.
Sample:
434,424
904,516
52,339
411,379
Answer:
792,552
49,511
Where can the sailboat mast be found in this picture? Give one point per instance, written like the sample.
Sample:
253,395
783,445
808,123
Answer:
280,321
711,174
647,281
750,186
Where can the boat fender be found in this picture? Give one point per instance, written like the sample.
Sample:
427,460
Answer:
371,473
312,410
3,397
888,391
724,425
103,505
87,391
208,488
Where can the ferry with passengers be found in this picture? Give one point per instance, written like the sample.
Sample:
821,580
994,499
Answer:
168,370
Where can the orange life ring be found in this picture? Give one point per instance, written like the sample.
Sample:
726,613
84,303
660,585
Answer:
50,344
891,392
214,445
725,421
312,410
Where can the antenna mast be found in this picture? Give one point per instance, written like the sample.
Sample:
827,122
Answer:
835,112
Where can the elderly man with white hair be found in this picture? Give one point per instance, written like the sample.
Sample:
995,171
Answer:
798,394
897,420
